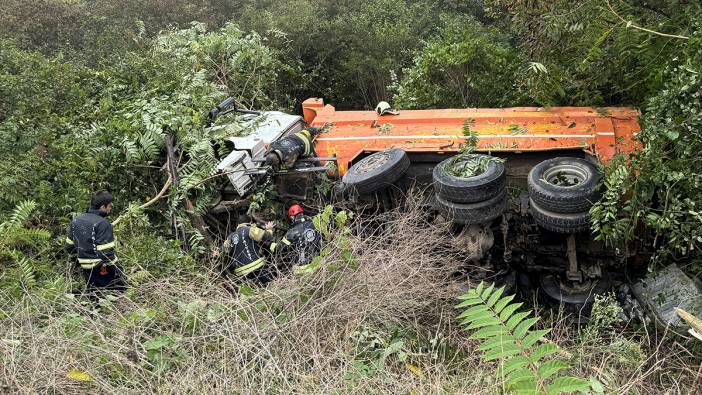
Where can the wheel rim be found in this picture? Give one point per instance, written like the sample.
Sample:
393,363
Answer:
373,162
565,176
567,291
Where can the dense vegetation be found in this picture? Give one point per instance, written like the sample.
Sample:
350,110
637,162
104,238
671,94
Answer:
91,90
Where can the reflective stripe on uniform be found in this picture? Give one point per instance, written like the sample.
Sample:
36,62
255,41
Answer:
256,233
305,137
106,246
88,263
273,247
69,241
246,269
286,241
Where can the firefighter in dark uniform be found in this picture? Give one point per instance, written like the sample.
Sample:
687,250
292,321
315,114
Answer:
246,249
284,152
302,242
90,236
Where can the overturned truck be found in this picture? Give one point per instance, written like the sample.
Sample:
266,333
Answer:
522,211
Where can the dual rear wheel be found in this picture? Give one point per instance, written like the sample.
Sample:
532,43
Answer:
561,193
476,199
561,190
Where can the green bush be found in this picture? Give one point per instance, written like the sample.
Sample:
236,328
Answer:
466,65
662,183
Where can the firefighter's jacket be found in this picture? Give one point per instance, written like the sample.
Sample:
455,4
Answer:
244,248
301,244
292,147
91,237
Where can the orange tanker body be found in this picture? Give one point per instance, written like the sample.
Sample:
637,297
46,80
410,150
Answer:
597,132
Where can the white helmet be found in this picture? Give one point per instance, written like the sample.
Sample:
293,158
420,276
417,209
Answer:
384,108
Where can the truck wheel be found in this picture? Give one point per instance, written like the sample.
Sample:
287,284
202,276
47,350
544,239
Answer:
376,171
472,189
560,222
473,213
564,185
576,298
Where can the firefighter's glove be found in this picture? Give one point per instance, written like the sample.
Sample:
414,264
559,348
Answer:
314,131
273,160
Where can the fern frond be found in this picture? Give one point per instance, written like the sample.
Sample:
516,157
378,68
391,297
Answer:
507,337
19,215
24,236
27,272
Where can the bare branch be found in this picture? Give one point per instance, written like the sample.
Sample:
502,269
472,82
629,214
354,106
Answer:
631,24
152,201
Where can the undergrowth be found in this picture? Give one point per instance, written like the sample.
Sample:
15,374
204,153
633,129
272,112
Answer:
381,322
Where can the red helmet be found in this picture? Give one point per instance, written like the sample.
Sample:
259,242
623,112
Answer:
294,210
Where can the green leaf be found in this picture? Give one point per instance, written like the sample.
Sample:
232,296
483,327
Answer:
468,295
483,323
596,386
488,332
516,319
543,350
568,384
502,303
523,327
473,311
158,343
479,289
672,134
525,387
514,363
495,297
468,302
521,375
533,337
509,310
507,350
548,369
497,341
477,316
486,294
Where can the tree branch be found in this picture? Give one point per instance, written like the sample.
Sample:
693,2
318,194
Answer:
631,24
150,202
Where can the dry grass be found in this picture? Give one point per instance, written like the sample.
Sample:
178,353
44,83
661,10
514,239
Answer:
309,334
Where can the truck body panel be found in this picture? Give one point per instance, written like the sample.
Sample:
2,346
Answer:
601,132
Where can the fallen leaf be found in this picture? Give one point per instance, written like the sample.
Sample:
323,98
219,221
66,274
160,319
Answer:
78,375
415,370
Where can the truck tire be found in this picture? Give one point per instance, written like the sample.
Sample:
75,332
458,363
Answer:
473,213
376,171
472,189
560,222
545,191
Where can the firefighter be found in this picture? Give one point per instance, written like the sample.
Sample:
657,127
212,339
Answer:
90,236
284,152
245,251
302,242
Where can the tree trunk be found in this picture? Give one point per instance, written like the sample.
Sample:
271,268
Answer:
196,220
